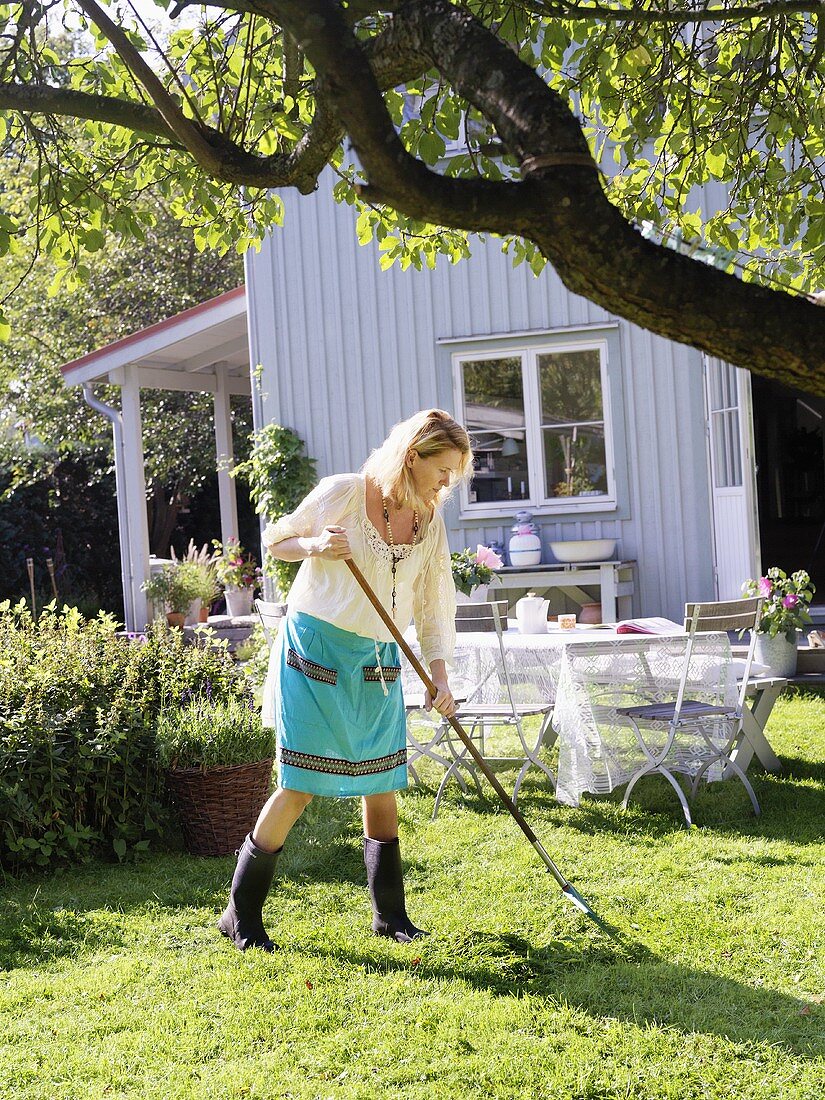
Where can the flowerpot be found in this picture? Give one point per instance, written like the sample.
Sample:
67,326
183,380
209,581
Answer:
590,613
203,614
238,601
478,594
778,653
218,806
193,614
176,619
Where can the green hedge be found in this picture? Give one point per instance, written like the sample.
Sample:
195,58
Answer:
79,707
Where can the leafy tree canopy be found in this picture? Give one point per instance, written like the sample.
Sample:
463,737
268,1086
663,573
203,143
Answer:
150,276
50,439
563,128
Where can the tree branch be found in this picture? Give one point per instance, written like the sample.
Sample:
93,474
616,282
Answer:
293,63
299,167
561,207
735,12
355,11
188,132
320,29
48,100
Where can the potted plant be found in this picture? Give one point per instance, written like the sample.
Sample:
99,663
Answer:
201,567
784,612
473,572
173,588
218,760
239,574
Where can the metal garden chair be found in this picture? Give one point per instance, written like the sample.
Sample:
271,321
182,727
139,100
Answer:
715,728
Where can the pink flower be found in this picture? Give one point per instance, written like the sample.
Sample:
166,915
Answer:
488,557
791,600
765,586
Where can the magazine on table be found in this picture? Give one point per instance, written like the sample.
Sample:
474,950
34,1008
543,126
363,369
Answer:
653,625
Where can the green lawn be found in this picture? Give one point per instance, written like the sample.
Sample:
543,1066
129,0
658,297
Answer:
114,983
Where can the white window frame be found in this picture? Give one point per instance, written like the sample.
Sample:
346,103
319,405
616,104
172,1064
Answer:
537,503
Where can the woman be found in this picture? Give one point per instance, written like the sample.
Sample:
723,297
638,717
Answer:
337,696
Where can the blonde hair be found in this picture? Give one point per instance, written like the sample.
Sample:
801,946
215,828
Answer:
427,433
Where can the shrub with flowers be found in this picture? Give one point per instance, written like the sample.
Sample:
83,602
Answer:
235,568
471,569
787,600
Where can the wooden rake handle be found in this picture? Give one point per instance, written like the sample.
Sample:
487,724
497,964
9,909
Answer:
459,729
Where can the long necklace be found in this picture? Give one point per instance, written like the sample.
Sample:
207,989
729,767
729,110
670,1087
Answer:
395,553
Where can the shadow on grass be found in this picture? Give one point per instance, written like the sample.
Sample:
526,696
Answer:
794,767
628,983
81,909
605,979
792,809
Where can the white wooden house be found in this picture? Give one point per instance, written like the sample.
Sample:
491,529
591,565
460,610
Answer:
597,427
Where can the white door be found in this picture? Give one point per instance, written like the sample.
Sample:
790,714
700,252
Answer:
733,477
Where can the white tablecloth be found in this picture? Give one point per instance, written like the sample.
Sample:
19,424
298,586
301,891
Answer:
599,749
586,674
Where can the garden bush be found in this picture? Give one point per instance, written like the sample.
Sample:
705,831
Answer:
79,708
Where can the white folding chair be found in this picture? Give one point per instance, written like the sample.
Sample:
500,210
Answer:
270,615
684,715
506,710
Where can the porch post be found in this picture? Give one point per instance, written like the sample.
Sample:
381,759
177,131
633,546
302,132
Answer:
135,485
227,497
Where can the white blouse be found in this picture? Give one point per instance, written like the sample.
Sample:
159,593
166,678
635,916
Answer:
425,591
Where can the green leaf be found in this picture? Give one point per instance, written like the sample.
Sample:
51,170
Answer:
638,59
431,147
363,227
94,240
537,263
716,160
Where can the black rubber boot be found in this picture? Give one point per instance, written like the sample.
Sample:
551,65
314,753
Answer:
386,883
242,920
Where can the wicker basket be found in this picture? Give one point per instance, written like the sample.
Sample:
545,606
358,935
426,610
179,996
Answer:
218,806
479,616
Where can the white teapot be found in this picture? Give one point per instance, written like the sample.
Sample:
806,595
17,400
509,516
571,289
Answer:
531,614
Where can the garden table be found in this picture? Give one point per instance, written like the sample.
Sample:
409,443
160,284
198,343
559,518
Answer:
614,580
536,663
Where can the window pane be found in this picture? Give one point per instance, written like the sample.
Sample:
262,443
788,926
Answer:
575,462
727,459
494,415
572,416
723,393
571,386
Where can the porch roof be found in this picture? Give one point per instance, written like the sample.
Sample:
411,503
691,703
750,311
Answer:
183,352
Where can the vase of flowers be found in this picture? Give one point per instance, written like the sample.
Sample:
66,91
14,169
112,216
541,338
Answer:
239,574
784,613
473,572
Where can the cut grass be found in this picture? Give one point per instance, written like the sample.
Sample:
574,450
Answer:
115,983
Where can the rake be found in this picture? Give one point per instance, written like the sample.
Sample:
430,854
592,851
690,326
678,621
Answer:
569,891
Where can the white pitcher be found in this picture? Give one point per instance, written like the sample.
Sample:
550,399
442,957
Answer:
531,614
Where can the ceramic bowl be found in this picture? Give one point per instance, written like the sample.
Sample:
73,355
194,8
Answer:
584,550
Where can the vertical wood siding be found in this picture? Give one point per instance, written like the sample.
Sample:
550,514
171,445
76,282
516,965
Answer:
347,350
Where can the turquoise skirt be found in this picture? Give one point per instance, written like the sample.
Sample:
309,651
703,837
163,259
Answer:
339,711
